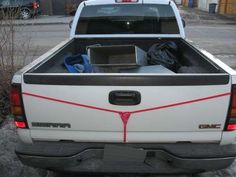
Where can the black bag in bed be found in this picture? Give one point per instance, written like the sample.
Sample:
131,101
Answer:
164,54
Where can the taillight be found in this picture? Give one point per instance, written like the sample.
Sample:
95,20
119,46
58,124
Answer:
231,121
126,1
20,124
17,107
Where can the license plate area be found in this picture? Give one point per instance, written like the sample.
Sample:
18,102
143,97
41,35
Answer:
113,153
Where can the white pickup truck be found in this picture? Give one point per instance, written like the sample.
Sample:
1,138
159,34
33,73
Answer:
184,121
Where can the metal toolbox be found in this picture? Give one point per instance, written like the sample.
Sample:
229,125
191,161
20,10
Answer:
117,55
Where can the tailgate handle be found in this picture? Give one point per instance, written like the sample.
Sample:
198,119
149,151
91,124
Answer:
124,98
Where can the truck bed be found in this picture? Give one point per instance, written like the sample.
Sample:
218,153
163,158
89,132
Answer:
128,107
191,60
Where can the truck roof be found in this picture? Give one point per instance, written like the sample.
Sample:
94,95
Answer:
93,2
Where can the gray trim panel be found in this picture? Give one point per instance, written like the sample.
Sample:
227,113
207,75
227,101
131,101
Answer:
147,158
184,150
128,80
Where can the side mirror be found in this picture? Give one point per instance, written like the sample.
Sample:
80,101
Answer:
70,24
184,23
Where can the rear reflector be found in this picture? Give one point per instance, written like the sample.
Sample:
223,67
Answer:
17,110
126,1
231,121
233,112
20,124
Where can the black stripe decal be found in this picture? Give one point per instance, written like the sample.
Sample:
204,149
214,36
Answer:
175,80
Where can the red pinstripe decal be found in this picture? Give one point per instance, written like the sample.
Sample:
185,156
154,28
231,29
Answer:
182,103
69,102
126,115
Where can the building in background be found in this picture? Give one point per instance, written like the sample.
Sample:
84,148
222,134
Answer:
222,7
227,7
178,2
190,3
204,4
59,7
68,7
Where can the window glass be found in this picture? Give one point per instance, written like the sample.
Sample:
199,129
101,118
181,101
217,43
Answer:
127,19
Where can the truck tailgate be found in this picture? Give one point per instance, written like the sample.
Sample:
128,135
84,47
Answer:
171,109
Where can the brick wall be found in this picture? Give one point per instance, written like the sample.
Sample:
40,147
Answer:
58,7
227,7
204,4
186,3
46,7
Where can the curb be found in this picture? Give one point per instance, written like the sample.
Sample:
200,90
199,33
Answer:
39,24
209,22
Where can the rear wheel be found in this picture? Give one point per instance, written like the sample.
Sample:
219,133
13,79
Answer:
25,14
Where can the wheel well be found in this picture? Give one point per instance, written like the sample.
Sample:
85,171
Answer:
25,8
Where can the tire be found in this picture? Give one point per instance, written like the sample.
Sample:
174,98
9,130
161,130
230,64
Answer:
25,14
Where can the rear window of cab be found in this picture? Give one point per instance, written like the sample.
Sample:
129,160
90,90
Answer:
127,19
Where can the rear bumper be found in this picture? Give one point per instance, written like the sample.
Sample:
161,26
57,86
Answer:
129,158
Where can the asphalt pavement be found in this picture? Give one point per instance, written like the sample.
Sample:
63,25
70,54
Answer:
220,40
45,20
212,32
